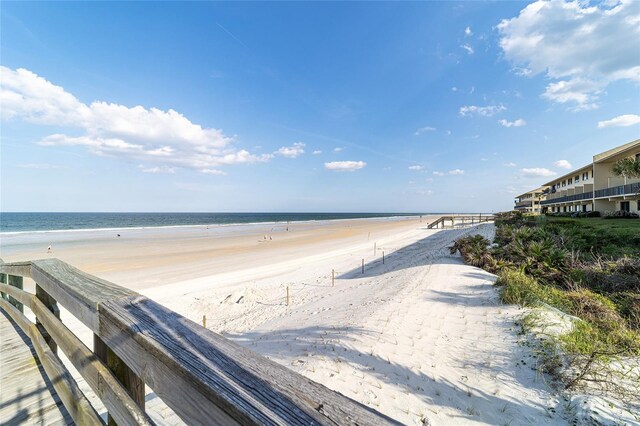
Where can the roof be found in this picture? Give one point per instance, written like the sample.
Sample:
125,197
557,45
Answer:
570,174
616,151
533,191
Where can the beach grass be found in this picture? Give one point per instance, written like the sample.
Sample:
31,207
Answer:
587,268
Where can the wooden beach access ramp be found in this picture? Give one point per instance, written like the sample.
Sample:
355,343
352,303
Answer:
460,220
202,377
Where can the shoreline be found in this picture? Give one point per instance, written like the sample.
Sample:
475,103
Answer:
149,257
137,228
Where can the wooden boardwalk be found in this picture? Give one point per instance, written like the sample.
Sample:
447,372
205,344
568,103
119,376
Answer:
26,394
197,376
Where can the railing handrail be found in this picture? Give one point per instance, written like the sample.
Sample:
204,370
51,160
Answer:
201,375
628,189
479,217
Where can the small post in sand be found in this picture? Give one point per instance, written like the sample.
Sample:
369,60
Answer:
204,321
374,248
383,257
363,266
333,277
287,295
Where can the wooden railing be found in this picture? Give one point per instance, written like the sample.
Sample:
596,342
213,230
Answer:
462,219
203,377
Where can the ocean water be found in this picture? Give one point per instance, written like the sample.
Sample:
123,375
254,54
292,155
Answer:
30,222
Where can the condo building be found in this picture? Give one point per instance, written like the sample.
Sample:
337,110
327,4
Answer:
529,202
593,187
572,192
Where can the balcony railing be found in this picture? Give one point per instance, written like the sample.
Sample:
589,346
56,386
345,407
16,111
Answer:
568,198
629,189
523,204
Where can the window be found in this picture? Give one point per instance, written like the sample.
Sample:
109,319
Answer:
569,181
577,179
624,206
564,183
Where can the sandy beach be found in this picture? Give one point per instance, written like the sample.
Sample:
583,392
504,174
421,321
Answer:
421,337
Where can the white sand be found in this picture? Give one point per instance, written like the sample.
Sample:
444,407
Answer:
422,338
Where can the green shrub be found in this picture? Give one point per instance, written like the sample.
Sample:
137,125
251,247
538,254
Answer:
518,288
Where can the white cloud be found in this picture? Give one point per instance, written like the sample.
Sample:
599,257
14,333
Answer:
416,168
516,123
468,32
317,152
468,48
424,192
425,129
296,150
213,172
344,166
438,173
510,164
337,149
582,47
563,164
38,166
157,169
485,111
537,172
166,139
454,89
522,72
456,172
620,121
578,91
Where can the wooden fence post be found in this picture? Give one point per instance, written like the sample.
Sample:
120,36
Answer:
363,266
52,305
13,281
132,383
333,277
383,257
204,321
287,295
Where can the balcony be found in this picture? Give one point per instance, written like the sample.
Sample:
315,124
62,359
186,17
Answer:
619,191
523,204
568,198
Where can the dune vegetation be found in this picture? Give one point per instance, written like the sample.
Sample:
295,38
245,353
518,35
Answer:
587,268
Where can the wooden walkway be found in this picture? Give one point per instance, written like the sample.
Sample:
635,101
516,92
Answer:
460,220
198,376
26,398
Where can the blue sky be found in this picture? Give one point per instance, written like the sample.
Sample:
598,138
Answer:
403,107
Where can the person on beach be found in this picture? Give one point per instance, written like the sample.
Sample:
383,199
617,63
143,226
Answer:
49,249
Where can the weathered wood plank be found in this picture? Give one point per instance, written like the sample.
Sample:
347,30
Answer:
206,378
26,395
128,381
79,292
119,404
16,281
21,269
50,303
12,280
67,389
